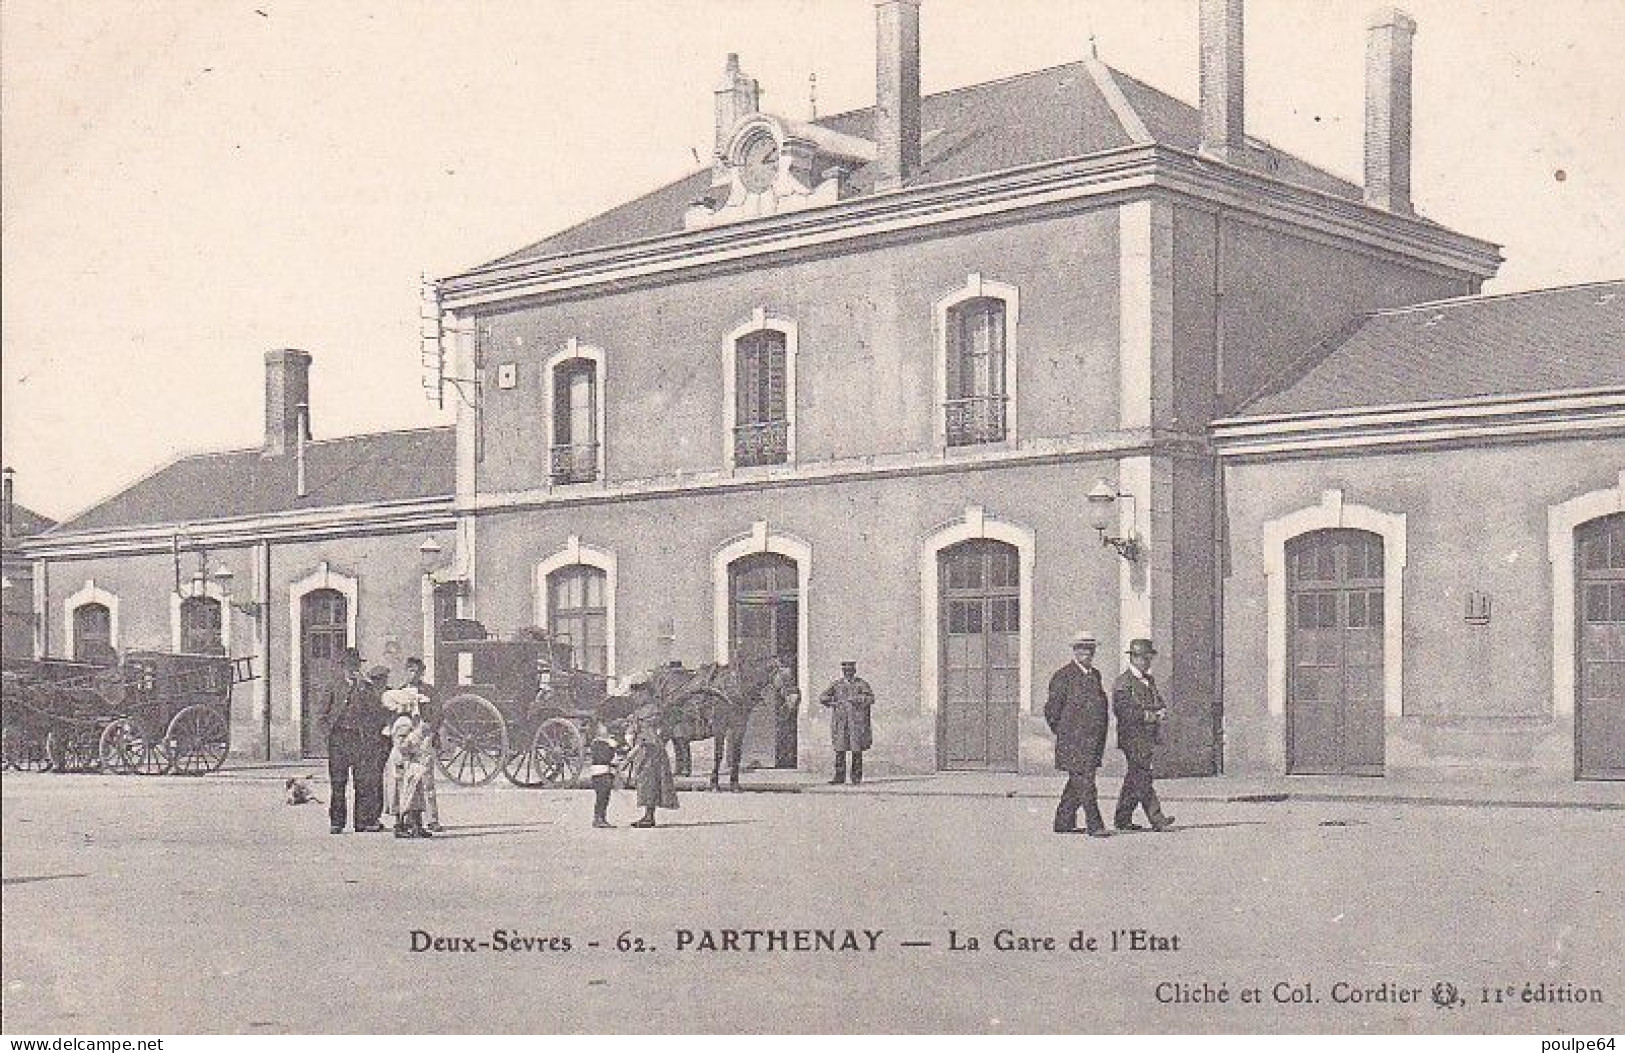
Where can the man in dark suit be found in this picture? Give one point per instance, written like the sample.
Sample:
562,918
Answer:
1076,713
1140,711
342,716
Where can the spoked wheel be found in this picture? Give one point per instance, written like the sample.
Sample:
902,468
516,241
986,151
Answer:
473,740
125,750
72,749
25,749
557,753
198,740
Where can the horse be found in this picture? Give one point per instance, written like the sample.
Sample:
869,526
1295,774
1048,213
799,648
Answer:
715,702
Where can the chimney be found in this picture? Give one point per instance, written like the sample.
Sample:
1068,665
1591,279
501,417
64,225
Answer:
1388,110
1223,80
737,97
7,479
287,393
897,91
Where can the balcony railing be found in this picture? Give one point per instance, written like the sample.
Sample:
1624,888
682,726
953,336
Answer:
762,442
975,420
575,463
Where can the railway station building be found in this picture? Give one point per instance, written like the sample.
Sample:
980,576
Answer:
933,384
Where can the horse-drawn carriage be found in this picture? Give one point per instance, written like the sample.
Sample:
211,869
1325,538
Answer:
154,714
522,708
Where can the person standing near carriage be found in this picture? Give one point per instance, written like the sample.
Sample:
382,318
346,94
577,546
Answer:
657,787
346,720
375,749
849,700
430,704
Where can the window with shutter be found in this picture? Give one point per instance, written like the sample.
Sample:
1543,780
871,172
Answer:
761,418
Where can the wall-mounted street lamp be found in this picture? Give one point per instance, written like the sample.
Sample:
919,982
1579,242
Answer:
1102,503
223,578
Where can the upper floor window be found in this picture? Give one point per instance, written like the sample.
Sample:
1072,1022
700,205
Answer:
762,426
761,392
976,328
201,626
575,386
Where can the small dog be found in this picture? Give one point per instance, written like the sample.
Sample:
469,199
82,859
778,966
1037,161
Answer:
299,793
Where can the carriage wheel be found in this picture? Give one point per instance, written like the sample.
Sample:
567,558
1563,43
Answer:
556,756
198,740
473,740
118,746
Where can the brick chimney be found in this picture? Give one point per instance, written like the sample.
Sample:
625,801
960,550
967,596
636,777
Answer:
7,503
1223,80
287,400
897,92
738,96
1388,110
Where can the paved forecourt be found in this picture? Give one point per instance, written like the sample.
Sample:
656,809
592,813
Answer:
161,905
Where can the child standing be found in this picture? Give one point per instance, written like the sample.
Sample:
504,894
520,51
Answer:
602,751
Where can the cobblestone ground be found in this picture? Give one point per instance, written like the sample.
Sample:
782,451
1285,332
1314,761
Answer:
168,905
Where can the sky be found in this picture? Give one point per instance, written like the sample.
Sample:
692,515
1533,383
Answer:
187,184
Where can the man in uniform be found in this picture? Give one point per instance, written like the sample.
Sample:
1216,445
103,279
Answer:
1140,711
1076,713
341,717
849,700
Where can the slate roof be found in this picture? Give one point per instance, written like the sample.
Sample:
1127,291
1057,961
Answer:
25,522
1048,115
1561,339
384,466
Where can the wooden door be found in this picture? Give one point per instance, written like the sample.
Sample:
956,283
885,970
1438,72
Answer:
763,612
1599,712
979,643
201,626
93,633
323,636
1335,654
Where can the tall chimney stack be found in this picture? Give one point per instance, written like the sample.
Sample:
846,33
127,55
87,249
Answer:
1223,93
287,391
7,480
737,97
1388,110
897,92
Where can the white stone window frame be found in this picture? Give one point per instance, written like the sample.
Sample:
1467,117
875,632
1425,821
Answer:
89,593
576,554
322,577
1333,513
762,538
977,287
191,590
1562,521
574,349
759,321
974,524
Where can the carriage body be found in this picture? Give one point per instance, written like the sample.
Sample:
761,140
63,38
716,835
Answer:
519,707
155,713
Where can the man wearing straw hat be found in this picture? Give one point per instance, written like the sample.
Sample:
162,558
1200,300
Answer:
1076,713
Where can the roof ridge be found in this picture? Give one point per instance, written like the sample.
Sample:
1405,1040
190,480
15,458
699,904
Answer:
1476,298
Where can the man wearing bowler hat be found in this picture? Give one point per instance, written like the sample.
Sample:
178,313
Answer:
345,717
1140,711
849,700
1076,713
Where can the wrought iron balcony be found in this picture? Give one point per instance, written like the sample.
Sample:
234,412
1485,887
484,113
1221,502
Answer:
575,463
763,442
975,420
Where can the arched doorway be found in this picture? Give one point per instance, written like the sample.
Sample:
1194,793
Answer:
201,628
979,644
324,630
1335,656
93,633
1599,715
764,612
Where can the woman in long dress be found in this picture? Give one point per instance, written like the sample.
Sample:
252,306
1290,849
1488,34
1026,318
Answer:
657,787
408,770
